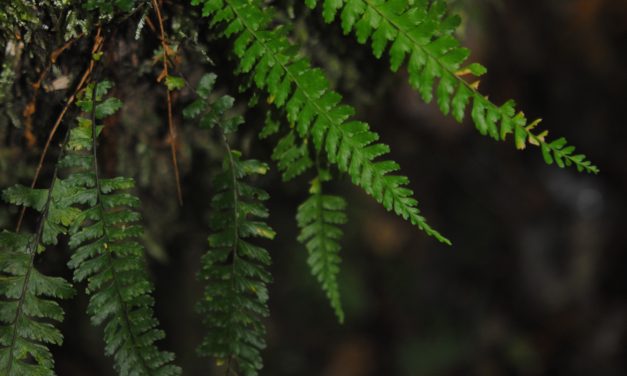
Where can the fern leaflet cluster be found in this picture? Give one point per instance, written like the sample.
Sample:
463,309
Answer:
318,218
314,109
234,270
422,32
292,159
28,308
26,311
106,252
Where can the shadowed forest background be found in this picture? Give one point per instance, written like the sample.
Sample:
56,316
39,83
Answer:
536,281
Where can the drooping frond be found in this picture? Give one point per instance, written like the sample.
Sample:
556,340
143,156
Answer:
234,270
317,112
422,32
27,312
318,219
107,253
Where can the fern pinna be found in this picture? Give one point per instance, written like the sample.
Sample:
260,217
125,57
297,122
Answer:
318,219
234,270
106,251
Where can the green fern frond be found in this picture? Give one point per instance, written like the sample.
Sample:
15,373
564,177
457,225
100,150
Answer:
267,54
27,310
234,270
422,32
106,251
318,219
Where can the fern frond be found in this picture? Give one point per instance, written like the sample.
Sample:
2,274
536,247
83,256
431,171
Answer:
267,54
318,219
422,32
27,310
107,254
234,271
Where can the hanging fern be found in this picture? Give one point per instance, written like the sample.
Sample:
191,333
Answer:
98,216
234,270
318,218
107,253
423,33
26,310
315,110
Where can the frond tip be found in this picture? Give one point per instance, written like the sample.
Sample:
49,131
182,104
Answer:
318,219
422,32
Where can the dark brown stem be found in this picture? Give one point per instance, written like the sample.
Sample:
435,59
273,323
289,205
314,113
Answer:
171,126
98,41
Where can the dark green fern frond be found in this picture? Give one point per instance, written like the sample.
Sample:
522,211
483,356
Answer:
318,219
27,313
314,109
234,270
107,254
211,113
422,32
26,310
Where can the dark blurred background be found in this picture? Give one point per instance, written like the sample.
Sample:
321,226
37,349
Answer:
536,281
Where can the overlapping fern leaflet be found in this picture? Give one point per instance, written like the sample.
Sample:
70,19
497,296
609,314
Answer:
234,270
28,309
422,32
314,109
26,312
291,156
106,251
318,219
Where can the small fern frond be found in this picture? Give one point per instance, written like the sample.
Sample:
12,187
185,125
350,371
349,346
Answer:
318,219
423,33
107,254
315,110
234,271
